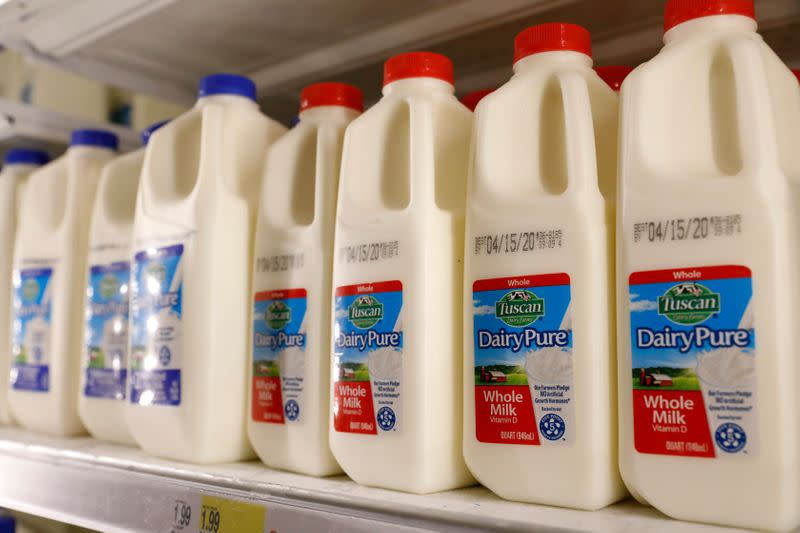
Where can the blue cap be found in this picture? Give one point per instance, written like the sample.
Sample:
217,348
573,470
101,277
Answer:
98,138
149,130
7,524
25,156
227,84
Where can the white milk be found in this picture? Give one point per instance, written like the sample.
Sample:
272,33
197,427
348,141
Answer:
397,283
539,323
190,276
17,166
101,400
707,276
290,392
49,282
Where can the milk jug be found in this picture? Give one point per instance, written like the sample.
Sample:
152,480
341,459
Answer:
290,392
614,75
17,166
190,276
539,324
101,401
707,278
48,285
397,279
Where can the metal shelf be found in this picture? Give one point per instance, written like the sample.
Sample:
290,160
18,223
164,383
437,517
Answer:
116,488
25,125
162,47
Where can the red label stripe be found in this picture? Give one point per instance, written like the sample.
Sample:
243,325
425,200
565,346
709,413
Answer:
678,275
520,282
282,294
369,288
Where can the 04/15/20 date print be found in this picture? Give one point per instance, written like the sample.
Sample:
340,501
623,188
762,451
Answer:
687,229
518,242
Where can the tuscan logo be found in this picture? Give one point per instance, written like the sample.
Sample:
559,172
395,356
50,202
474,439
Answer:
30,290
365,311
519,308
109,286
278,314
688,303
156,272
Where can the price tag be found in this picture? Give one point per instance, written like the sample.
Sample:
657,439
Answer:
218,515
210,514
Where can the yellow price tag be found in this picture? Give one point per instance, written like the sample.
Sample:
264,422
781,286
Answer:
218,515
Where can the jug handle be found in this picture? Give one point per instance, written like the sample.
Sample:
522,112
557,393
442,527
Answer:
757,128
581,153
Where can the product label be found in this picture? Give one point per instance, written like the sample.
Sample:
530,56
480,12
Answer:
279,353
693,350
156,310
30,369
368,358
523,360
107,331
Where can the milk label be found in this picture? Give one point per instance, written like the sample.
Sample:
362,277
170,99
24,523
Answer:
523,360
106,356
368,358
156,310
693,340
279,351
30,349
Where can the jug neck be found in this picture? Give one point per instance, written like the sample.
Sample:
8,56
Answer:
19,168
82,149
417,86
713,24
328,113
552,59
225,99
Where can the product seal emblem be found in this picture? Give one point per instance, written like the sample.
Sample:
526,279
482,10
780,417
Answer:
278,314
688,303
365,312
519,308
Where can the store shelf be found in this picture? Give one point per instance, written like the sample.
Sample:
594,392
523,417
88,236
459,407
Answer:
162,47
25,125
107,487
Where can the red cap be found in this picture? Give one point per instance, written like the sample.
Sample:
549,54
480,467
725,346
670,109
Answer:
552,37
614,75
331,93
680,11
418,65
796,73
471,99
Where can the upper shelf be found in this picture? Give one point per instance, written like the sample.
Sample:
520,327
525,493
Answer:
28,126
121,488
162,47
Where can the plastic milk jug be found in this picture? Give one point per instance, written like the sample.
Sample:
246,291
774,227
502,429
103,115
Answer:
101,401
708,390
290,402
397,279
48,285
17,166
539,387
190,276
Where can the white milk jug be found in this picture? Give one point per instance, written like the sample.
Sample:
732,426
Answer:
707,280
397,280
49,280
539,390
101,401
290,402
190,276
17,166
